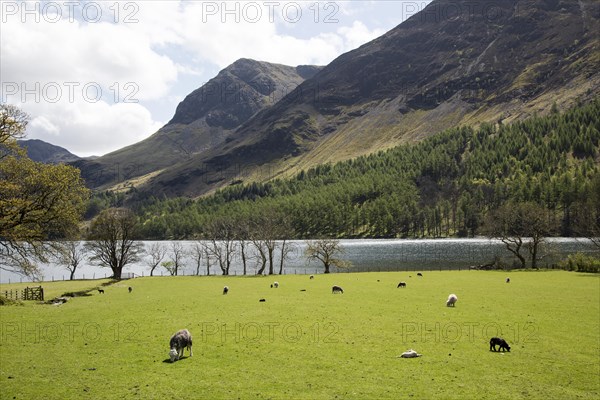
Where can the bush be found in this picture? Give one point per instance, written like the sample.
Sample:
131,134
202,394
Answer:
581,263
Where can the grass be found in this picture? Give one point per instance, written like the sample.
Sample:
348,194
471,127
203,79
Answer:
58,288
312,344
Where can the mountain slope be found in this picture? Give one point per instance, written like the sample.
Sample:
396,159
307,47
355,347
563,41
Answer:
203,120
456,62
47,153
441,186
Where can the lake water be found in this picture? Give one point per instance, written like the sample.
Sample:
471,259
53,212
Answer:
364,254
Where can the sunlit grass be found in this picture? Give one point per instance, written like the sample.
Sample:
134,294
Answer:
305,342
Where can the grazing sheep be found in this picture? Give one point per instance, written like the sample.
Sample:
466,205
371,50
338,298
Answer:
130,289
507,280
419,274
275,285
451,300
225,289
100,291
401,284
312,277
262,300
495,341
179,341
410,354
337,289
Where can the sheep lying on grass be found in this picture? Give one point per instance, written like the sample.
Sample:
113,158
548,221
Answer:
312,277
451,300
275,285
179,341
410,354
337,289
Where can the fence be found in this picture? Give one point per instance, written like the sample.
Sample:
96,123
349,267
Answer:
33,293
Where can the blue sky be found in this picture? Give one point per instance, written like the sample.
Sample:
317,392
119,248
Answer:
99,75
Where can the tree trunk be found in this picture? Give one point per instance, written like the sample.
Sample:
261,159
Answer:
534,252
243,248
262,267
283,250
326,267
207,263
271,272
72,274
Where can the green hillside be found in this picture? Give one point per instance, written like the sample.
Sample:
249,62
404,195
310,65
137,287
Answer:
442,186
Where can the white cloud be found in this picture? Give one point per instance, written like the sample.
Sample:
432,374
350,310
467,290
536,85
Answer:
90,128
146,55
224,43
42,124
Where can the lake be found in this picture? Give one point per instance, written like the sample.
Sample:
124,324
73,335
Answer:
364,254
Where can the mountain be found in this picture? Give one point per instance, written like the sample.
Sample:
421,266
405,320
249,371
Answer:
205,119
454,63
47,153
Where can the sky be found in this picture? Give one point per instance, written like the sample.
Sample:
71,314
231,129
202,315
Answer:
96,76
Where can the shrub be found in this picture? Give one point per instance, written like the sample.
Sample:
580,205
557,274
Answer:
581,263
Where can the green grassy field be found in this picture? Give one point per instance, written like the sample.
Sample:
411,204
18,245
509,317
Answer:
311,344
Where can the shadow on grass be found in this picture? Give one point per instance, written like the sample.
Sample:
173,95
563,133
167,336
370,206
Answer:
85,293
168,360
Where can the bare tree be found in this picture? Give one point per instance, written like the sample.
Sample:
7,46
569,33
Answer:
284,231
111,240
197,254
243,233
521,227
260,255
222,244
286,249
177,254
68,254
326,251
207,257
157,253
265,232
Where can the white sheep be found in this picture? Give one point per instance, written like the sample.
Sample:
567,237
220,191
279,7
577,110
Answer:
451,300
410,354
